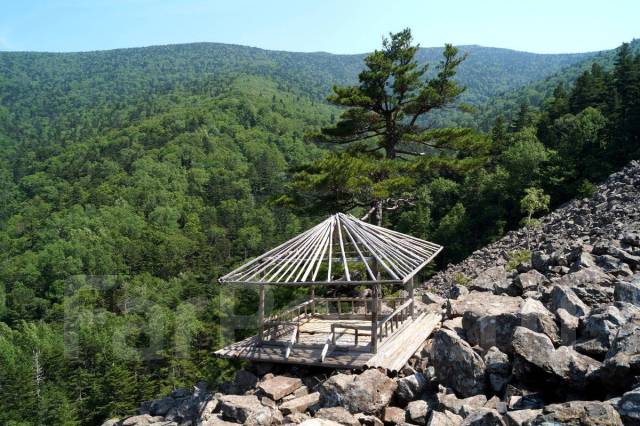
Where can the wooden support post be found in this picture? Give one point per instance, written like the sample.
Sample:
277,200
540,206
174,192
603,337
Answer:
313,300
374,319
261,314
411,310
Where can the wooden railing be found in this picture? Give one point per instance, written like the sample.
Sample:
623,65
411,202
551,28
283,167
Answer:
286,324
395,319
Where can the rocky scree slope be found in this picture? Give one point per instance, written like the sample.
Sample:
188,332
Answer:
541,327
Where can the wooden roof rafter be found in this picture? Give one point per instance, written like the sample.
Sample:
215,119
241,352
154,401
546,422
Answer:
340,250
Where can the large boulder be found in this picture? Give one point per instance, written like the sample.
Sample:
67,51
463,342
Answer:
483,417
598,330
319,422
393,415
592,286
629,407
529,281
522,417
410,388
278,387
418,412
622,362
490,279
456,364
579,413
367,393
461,407
301,404
245,409
537,361
242,382
628,291
481,303
491,319
337,414
564,297
498,368
446,418
568,326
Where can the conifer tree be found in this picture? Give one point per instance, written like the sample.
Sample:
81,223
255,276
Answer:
386,110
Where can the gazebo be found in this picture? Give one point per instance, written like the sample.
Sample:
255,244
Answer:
369,330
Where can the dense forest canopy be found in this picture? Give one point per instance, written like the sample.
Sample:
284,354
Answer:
131,179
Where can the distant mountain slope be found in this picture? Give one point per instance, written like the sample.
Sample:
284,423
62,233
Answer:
49,91
536,92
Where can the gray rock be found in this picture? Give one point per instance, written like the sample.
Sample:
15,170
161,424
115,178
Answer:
629,407
161,407
297,418
536,360
626,257
591,285
522,417
594,348
333,390
565,298
568,326
613,265
540,261
528,281
461,407
367,393
580,413
429,298
337,414
455,325
457,291
393,415
368,419
489,279
418,412
141,420
456,364
446,418
631,238
483,417
490,319
301,404
498,368
410,388
528,401
584,260
245,409
319,422
279,386
628,292
243,381
622,362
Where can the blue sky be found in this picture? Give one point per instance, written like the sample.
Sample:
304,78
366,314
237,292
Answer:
337,26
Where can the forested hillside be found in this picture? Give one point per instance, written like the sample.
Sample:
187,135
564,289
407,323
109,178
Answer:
45,95
131,178
534,94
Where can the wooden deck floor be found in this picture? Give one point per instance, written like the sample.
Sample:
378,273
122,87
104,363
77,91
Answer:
393,352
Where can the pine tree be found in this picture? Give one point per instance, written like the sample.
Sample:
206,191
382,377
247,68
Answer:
523,118
387,108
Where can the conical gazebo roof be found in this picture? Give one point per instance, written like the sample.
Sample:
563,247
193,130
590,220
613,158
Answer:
339,250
